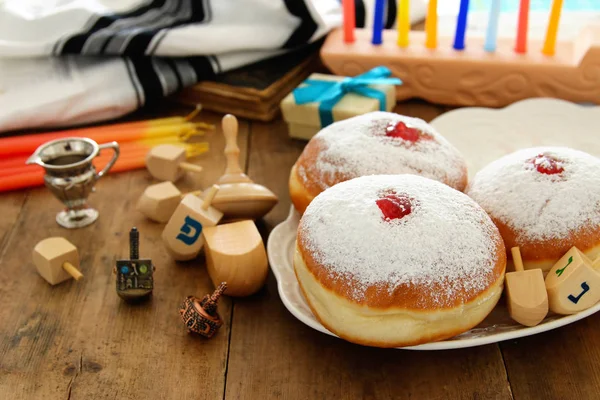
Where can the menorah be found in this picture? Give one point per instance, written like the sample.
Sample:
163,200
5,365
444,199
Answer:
465,71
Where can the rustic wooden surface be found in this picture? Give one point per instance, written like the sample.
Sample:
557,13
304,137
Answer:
80,341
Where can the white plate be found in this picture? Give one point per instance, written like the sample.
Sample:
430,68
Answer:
482,135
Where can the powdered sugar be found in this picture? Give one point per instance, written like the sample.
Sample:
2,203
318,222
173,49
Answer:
536,205
358,146
446,239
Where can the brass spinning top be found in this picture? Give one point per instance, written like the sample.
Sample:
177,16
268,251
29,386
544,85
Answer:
201,316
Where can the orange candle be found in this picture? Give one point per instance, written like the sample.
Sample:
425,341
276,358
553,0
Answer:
27,144
349,20
521,45
431,25
552,31
35,177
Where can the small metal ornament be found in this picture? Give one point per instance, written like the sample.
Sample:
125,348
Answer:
134,276
71,176
201,316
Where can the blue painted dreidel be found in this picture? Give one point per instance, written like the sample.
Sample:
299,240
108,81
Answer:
183,233
572,284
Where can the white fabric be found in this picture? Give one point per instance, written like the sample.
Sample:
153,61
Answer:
51,78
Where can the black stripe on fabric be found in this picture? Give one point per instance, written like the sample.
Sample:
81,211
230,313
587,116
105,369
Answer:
130,26
391,13
171,63
307,26
163,34
209,13
74,45
131,73
138,45
217,63
360,13
148,78
205,18
202,67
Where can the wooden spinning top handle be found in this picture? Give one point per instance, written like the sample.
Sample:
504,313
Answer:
72,270
212,192
233,172
517,260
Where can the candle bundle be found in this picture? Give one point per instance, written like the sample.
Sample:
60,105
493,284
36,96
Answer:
131,158
135,140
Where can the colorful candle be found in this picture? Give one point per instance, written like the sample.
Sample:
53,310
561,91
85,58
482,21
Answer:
431,25
521,45
31,175
550,41
403,22
378,21
461,25
491,36
28,143
349,20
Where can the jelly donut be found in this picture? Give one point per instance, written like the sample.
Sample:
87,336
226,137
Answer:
372,144
544,200
398,260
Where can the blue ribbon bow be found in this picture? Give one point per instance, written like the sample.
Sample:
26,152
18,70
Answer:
329,93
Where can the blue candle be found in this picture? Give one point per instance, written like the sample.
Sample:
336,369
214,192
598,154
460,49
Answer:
461,25
378,21
491,36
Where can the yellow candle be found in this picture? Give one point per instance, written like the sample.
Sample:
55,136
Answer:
431,25
403,22
550,42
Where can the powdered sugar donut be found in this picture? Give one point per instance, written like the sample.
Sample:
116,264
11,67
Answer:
544,200
372,144
398,260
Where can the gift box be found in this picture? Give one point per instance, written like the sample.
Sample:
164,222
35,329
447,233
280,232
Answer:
323,99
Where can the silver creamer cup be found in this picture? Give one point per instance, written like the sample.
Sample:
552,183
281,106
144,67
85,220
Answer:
71,176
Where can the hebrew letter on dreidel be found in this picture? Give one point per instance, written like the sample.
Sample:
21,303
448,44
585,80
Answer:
585,288
560,271
190,225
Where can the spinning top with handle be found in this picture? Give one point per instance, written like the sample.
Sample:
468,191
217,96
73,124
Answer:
239,197
56,260
201,316
159,201
166,162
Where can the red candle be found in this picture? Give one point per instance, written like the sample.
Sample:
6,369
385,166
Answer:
349,20
521,46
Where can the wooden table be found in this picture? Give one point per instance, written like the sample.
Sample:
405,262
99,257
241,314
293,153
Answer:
80,341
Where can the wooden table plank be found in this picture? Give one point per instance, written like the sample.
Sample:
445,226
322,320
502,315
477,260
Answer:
274,356
80,340
560,364
10,210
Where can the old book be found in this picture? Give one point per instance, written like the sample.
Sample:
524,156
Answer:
255,91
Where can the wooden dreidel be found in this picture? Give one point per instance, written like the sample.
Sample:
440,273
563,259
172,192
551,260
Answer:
166,162
572,284
526,293
235,254
56,260
239,197
159,201
183,233
201,315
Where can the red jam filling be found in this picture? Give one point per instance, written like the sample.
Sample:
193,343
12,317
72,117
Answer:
400,130
394,206
546,164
